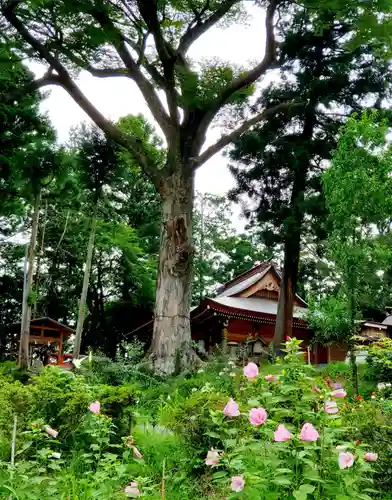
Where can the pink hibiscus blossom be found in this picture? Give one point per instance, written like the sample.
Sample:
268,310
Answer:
308,433
370,457
339,393
271,378
251,370
132,490
213,457
231,409
331,407
346,460
257,416
282,434
95,407
237,483
336,385
51,432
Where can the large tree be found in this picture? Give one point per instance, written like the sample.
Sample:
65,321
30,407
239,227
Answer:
148,42
358,190
280,162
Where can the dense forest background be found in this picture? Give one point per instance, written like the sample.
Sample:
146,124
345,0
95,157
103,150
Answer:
91,196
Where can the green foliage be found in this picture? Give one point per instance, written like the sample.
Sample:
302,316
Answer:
358,193
270,469
173,424
221,253
278,165
330,319
380,361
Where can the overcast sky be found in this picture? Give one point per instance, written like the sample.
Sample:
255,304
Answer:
117,97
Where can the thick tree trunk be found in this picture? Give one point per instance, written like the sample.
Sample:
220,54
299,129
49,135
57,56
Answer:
86,279
25,327
171,344
284,318
292,245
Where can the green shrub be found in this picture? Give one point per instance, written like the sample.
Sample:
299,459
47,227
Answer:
380,361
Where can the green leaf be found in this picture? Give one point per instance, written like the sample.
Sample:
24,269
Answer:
283,481
307,488
299,495
219,475
213,435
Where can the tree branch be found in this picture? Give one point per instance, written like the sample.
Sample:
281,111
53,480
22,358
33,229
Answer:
47,79
63,78
193,33
166,53
250,76
232,136
135,73
108,72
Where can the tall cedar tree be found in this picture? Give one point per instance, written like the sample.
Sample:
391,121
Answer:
149,42
280,162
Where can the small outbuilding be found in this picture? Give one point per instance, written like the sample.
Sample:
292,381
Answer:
47,337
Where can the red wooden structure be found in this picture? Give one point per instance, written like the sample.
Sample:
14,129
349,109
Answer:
43,331
244,311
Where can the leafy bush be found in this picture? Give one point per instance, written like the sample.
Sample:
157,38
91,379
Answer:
222,432
380,361
304,466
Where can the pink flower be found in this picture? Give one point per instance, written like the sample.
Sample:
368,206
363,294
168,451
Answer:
136,452
257,416
231,409
336,385
51,431
308,433
213,457
95,407
370,457
271,378
331,407
237,483
315,389
282,434
339,393
132,490
345,460
251,370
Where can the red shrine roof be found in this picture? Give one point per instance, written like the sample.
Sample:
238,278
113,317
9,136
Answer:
49,322
255,304
244,280
241,297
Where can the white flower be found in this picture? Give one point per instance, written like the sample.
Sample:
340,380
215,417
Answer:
381,386
200,371
221,373
194,389
55,455
232,374
388,384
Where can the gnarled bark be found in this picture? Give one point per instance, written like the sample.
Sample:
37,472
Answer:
171,345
